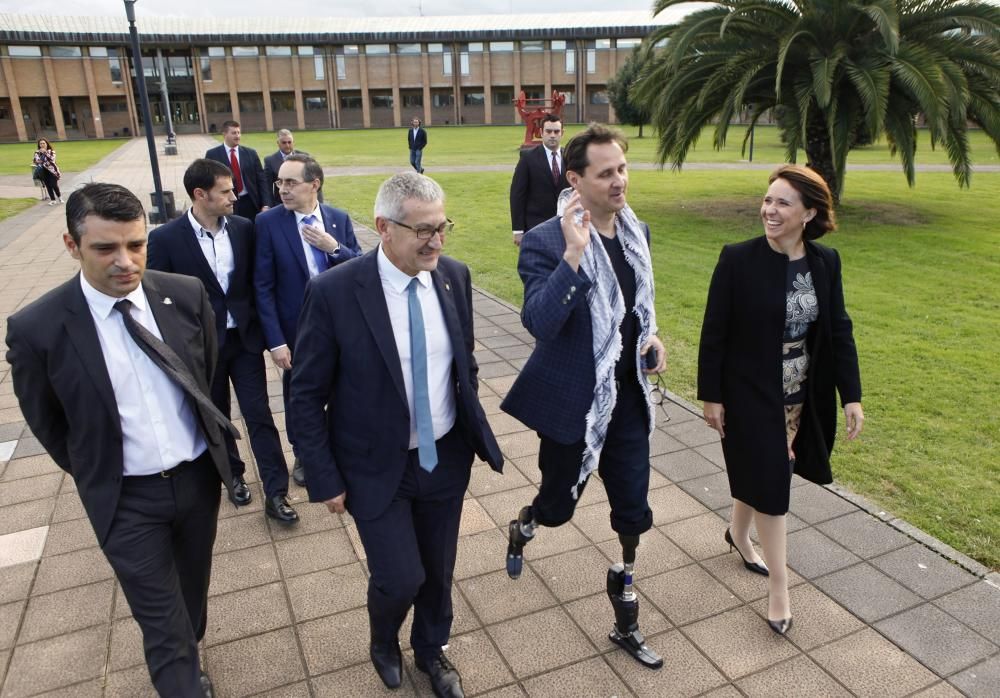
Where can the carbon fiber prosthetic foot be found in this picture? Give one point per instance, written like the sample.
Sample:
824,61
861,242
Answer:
625,632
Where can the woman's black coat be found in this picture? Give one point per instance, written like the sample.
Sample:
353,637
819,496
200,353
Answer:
740,366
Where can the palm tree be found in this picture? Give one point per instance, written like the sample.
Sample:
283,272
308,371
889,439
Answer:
836,73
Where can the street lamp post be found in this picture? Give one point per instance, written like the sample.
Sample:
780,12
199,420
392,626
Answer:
147,117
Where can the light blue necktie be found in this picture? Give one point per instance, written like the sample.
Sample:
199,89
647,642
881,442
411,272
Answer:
319,255
421,394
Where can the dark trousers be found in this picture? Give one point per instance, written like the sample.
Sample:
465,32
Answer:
160,547
623,467
51,183
245,207
286,392
246,371
411,549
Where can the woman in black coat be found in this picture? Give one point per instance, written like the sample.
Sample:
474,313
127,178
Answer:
775,345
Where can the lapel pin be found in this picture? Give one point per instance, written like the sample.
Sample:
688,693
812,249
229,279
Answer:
447,286
167,301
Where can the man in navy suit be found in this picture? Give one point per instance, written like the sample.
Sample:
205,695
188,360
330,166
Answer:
273,162
217,247
538,179
253,191
588,301
295,242
388,418
416,137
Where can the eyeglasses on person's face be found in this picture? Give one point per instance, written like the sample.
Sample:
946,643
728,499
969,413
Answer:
287,183
426,232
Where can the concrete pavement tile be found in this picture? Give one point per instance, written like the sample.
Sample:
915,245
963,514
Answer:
596,617
497,369
936,639
503,424
70,570
485,356
683,465
69,536
923,571
504,506
238,532
245,568
979,680
726,691
656,554
869,665
22,546
294,690
510,691
574,574
541,641
798,677
247,612
813,503
328,591
12,430
978,606
739,642
57,662
15,581
517,351
335,642
747,585
818,618
480,553
133,682
671,504
313,518
33,466
475,519
812,554
867,593
477,660
528,467
710,490
491,405
592,677
656,480
93,688
713,452
685,671
486,481
692,433
360,680
255,664
687,594
700,537
28,446
11,415
314,552
69,508
863,534
30,488
499,386
519,444
10,622
495,597
552,541
661,442
126,645
940,690
594,521
593,492
65,611
465,620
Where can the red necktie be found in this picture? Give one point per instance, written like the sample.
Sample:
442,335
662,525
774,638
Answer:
555,169
234,165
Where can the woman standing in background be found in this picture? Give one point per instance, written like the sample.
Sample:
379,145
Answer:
45,157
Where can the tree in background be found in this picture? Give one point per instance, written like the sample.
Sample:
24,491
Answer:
835,72
627,109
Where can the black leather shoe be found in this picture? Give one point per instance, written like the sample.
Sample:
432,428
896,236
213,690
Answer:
516,540
299,474
445,681
206,686
277,507
780,626
752,566
240,495
388,663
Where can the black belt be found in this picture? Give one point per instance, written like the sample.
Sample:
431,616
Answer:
171,472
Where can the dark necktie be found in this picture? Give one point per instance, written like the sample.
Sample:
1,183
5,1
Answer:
426,448
234,165
322,264
555,169
167,360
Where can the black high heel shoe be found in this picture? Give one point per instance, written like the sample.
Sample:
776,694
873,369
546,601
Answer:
780,626
755,567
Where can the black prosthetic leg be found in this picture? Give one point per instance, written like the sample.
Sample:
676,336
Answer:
519,532
625,632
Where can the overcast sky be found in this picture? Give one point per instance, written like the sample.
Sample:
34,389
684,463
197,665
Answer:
312,8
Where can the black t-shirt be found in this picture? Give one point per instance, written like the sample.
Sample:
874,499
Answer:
625,369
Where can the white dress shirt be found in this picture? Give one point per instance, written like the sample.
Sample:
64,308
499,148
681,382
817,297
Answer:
159,428
558,155
218,251
306,247
439,350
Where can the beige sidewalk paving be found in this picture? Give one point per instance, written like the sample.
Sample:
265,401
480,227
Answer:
878,611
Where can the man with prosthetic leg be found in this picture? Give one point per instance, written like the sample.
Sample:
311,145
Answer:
588,302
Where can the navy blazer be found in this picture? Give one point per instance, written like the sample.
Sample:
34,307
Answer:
533,191
418,143
555,389
254,179
348,396
174,247
281,272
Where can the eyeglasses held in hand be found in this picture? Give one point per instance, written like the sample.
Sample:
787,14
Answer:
426,232
657,392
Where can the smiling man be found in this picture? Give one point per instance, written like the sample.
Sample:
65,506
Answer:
112,371
388,419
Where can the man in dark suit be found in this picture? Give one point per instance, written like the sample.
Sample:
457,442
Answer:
388,418
538,179
213,245
273,162
253,191
112,372
588,301
295,242
417,139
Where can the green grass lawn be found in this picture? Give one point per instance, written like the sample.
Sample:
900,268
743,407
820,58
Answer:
922,280
12,207
72,156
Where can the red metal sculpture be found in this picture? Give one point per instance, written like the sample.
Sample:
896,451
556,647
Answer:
532,111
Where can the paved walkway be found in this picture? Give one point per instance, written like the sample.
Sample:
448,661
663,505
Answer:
877,611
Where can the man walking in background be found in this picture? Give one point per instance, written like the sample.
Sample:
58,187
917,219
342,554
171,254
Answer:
417,138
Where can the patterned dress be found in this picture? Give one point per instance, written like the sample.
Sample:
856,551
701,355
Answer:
801,310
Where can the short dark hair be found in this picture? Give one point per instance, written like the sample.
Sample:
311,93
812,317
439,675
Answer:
226,125
552,118
815,194
202,173
575,154
312,169
112,202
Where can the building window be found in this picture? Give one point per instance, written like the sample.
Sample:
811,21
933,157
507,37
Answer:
109,106
243,51
217,51
602,44
407,49
24,51
351,50
382,101
315,102
350,101
4,113
282,101
533,45
319,68
114,65
205,65
251,102
446,64
463,62
501,46
628,43
503,98
568,93
377,49
341,66
474,47
570,61
307,51
598,96
435,48
218,104
179,66
474,99
442,99
97,51
591,60
413,100
534,93
278,50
